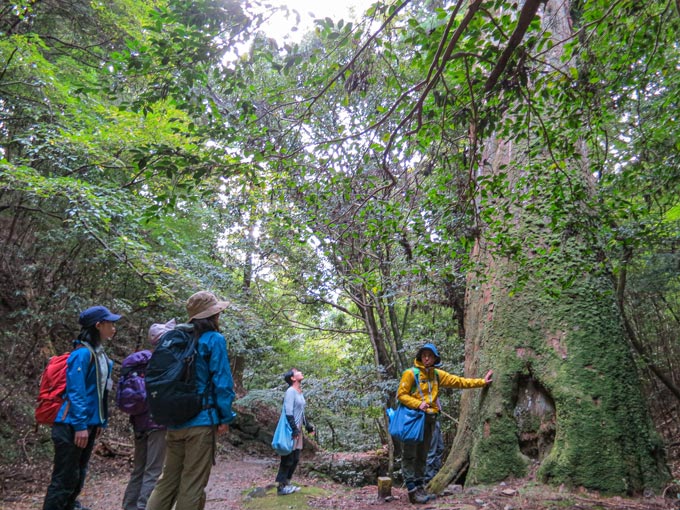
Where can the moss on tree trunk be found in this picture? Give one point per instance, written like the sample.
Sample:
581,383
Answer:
566,395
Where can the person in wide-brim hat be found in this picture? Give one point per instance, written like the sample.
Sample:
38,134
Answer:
191,445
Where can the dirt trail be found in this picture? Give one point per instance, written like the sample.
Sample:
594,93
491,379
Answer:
245,482
238,481
230,481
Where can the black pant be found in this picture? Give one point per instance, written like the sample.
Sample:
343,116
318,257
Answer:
70,467
287,467
414,455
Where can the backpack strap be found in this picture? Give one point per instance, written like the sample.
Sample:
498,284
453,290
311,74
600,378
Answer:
416,375
102,408
92,354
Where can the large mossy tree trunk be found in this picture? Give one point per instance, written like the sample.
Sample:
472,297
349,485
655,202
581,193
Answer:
566,397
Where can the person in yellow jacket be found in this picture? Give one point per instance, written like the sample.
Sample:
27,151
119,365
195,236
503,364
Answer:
414,455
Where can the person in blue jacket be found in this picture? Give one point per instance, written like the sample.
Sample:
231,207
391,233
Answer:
190,447
84,412
436,453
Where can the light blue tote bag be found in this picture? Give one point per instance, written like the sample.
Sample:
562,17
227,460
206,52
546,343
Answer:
283,436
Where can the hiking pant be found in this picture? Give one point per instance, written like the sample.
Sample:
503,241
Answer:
189,458
414,455
148,465
287,467
436,453
70,467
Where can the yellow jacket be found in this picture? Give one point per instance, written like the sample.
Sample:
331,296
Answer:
408,394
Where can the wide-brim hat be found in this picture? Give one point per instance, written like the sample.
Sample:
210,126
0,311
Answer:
204,304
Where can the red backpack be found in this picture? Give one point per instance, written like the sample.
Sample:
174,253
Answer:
52,389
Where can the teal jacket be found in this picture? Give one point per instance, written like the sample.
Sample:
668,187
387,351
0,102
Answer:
213,372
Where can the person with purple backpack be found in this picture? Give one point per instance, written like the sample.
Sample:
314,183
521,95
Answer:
149,453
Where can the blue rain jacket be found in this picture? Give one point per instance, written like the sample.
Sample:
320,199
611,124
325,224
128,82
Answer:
85,401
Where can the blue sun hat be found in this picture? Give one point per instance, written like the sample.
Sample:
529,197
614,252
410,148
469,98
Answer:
433,349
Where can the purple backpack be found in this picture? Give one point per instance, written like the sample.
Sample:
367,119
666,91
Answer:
131,394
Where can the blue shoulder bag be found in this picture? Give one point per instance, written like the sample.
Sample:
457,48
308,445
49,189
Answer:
408,425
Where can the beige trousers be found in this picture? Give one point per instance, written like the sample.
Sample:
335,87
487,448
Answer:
188,460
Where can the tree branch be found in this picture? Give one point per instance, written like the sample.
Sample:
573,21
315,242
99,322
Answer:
630,331
526,16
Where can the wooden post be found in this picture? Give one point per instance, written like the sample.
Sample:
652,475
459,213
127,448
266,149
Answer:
384,487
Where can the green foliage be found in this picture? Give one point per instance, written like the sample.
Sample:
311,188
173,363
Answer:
346,407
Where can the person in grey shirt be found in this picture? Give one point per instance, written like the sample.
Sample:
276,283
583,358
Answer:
294,408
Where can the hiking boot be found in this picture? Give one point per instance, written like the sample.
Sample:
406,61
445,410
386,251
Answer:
286,489
417,496
422,491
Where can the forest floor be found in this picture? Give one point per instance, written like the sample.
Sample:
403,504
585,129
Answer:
243,480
